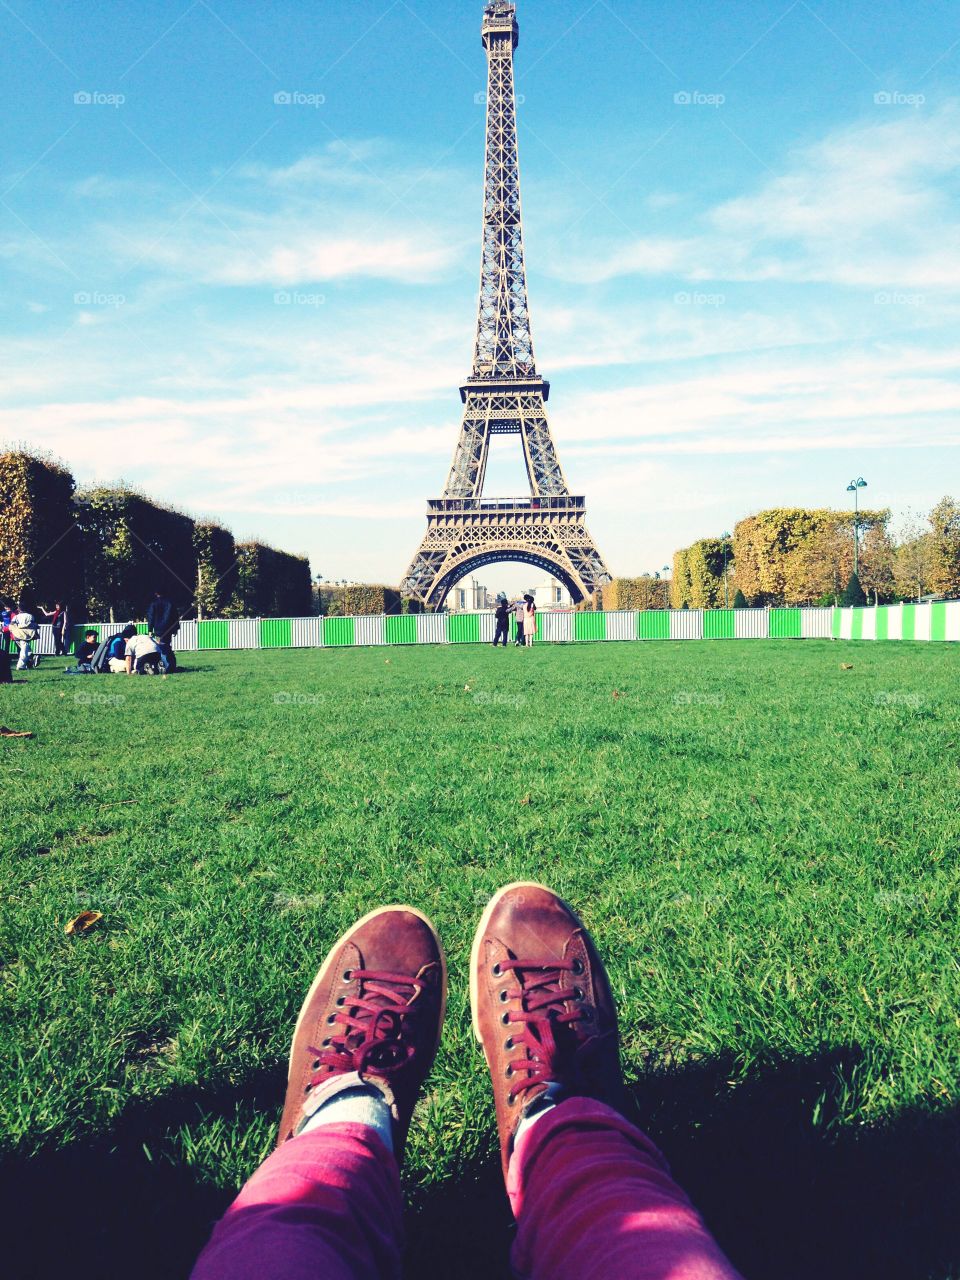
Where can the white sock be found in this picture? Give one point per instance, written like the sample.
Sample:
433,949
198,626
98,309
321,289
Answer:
363,1105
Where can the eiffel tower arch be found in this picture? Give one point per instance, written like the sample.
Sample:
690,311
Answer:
504,394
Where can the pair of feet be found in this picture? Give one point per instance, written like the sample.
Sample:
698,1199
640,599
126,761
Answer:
542,1012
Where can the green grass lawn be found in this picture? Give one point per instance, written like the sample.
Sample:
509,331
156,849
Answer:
764,845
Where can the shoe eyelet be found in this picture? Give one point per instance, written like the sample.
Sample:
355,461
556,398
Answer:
323,1045
577,993
348,975
509,1072
341,1001
578,966
505,1018
308,1088
508,1043
331,1019
317,1065
503,996
496,970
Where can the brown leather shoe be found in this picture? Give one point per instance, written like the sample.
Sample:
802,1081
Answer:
542,1007
374,1011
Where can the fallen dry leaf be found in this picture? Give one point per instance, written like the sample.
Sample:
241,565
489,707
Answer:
13,733
846,666
617,693
525,800
83,922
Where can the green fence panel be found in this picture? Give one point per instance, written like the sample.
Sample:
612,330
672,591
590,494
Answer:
590,626
464,628
835,623
338,632
856,625
909,621
275,633
883,622
938,621
718,624
653,624
401,629
785,624
213,634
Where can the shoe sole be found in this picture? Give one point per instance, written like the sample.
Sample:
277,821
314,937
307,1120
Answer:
482,928
325,968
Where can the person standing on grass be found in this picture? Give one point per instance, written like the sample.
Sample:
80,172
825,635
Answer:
592,1195
164,624
518,610
529,620
503,621
58,625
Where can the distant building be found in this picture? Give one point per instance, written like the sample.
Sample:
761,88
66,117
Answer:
469,597
552,594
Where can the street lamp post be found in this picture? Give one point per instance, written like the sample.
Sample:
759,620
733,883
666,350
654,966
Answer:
854,487
726,579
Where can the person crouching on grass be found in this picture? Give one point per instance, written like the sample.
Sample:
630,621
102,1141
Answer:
141,655
83,655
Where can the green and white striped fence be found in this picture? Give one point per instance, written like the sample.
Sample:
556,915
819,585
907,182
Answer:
932,621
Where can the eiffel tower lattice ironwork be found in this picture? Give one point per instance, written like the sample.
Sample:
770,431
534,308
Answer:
504,395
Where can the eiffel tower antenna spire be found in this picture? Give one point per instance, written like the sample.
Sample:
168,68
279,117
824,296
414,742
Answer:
504,395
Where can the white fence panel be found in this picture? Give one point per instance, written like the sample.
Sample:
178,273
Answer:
953,620
44,640
306,633
622,625
846,624
186,638
488,627
686,624
369,631
816,624
869,631
556,627
243,633
895,623
431,628
751,624
923,620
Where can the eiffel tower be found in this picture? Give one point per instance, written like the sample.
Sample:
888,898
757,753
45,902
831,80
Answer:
504,394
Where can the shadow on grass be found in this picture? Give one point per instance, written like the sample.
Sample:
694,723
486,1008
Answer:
788,1195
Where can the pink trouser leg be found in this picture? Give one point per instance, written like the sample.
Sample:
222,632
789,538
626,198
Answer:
326,1206
594,1200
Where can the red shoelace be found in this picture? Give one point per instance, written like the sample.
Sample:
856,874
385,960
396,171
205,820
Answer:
548,1038
372,1028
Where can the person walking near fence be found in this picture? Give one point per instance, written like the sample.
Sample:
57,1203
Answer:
164,624
592,1195
503,621
23,631
529,620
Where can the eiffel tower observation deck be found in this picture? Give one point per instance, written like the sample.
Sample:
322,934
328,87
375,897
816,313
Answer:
504,394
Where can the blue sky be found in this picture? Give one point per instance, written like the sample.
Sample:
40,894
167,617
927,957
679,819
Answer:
743,252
